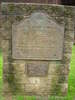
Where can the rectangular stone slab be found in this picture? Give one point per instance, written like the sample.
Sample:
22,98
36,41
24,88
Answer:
37,68
36,26
38,37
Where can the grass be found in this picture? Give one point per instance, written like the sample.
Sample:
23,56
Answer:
71,89
71,81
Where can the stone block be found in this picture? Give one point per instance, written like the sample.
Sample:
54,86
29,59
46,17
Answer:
37,69
37,45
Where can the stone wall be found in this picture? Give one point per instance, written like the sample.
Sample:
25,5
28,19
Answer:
15,73
74,32
33,1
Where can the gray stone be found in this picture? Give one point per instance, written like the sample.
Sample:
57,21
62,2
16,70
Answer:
37,50
37,68
37,37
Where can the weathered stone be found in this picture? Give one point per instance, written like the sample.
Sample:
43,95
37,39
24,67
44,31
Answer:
37,48
6,88
5,46
68,47
5,27
39,68
54,67
21,67
20,71
5,68
9,97
64,88
33,38
70,24
69,11
67,58
21,9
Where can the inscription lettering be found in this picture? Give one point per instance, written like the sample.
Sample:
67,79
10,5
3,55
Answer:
38,37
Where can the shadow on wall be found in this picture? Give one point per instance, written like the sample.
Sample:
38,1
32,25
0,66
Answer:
68,2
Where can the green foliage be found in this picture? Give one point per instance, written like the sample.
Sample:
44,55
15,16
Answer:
71,90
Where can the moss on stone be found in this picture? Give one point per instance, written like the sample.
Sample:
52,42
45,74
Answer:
19,18
11,80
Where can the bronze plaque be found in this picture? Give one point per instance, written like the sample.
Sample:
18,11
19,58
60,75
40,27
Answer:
37,68
37,37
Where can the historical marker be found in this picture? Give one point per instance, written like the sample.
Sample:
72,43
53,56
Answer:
38,37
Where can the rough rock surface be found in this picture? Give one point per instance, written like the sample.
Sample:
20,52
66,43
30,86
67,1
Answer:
15,73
